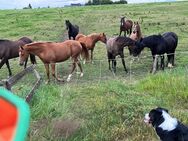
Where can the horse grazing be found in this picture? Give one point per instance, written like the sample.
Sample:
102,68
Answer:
115,46
159,45
135,35
73,30
51,53
90,40
10,49
126,26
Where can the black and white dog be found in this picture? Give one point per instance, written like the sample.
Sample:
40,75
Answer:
166,127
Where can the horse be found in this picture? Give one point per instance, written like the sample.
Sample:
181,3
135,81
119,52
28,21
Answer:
126,26
90,40
159,45
52,52
115,46
135,35
73,30
10,49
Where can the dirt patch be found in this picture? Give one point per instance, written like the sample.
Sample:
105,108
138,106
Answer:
64,128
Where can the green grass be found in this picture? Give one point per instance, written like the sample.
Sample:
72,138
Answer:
101,106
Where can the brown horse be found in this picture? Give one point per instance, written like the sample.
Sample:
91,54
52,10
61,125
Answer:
136,35
126,26
90,40
51,53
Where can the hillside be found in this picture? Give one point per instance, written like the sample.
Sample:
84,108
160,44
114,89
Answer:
101,106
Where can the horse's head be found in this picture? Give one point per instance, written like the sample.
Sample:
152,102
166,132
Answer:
23,55
102,37
67,23
122,20
136,28
136,50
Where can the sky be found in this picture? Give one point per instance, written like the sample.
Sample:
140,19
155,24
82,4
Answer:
19,4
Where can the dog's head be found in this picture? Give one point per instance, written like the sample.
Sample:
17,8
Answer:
155,116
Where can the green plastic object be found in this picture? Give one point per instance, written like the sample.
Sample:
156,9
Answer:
14,117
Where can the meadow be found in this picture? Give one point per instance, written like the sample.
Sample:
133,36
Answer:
100,106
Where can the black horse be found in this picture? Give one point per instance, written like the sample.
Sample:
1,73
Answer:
10,49
115,46
159,45
73,30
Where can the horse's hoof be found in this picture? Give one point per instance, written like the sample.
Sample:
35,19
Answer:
69,77
170,65
81,75
60,80
47,82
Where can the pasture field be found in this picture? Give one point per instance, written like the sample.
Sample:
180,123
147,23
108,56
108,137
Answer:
100,106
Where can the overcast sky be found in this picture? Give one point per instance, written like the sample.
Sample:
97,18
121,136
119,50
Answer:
18,4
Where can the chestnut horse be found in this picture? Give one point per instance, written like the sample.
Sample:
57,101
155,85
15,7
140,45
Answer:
51,53
90,40
126,26
136,35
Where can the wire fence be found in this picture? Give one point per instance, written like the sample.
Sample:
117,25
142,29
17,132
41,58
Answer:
98,71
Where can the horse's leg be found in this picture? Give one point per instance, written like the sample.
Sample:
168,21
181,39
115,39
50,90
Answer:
125,33
47,73
173,59
72,70
79,65
25,65
53,71
162,62
120,32
169,62
123,61
114,64
109,59
154,68
8,66
3,61
92,55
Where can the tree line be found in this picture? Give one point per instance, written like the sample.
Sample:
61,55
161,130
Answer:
101,2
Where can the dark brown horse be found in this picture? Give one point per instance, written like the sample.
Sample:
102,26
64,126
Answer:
51,53
126,26
115,46
10,49
90,40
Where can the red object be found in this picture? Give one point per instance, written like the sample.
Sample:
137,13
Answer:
8,120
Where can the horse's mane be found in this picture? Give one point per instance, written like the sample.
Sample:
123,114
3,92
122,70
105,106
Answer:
123,39
93,34
4,40
37,43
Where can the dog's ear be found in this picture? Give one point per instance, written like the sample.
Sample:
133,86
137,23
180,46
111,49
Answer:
160,109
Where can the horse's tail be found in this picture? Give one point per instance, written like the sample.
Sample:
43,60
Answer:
85,52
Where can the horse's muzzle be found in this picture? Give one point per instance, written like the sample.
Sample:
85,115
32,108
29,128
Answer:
21,63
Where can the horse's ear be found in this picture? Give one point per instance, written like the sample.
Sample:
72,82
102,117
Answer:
137,22
21,47
103,34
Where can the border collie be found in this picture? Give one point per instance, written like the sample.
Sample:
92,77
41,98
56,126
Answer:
166,127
